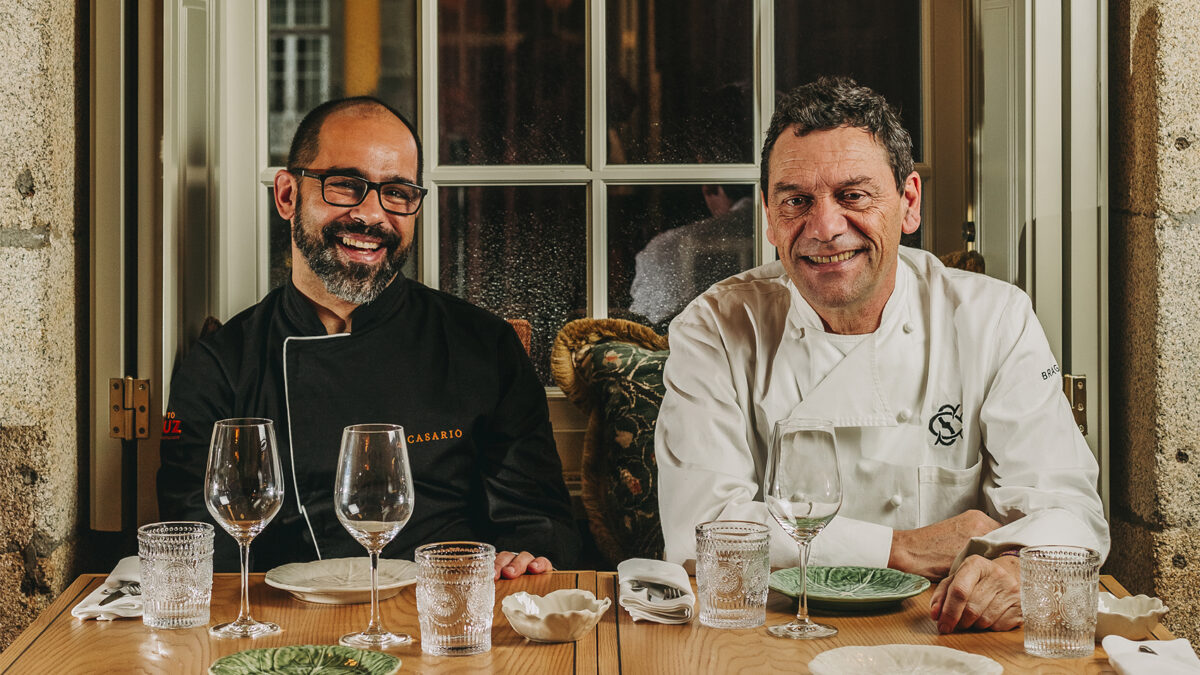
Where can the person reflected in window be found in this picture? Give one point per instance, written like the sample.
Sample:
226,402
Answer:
349,339
680,263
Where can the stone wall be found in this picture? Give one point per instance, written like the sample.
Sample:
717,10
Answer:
1155,294
42,327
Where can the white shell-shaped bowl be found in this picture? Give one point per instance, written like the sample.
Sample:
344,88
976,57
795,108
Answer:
564,615
1130,617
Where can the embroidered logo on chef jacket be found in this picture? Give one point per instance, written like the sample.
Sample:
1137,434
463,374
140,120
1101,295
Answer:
946,424
445,434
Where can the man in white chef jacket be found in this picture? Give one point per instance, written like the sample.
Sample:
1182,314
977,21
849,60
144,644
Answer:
956,443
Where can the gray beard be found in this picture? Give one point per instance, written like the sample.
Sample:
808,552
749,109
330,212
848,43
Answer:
351,282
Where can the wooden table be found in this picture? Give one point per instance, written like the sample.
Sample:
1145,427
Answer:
57,642
633,648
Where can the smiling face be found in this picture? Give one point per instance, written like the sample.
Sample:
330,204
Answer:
835,216
348,255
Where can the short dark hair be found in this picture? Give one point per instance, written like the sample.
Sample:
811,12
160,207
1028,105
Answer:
305,143
832,102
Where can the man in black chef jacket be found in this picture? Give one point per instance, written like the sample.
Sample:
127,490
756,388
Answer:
350,340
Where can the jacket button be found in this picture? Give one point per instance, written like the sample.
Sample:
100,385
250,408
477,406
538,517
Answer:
896,501
903,415
908,327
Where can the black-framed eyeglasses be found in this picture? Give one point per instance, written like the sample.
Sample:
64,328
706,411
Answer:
399,197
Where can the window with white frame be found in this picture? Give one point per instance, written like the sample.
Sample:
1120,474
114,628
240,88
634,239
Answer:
587,157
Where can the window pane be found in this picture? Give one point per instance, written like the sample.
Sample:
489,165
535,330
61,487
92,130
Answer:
310,12
520,252
511,82
279,245
680,76
323,49
669,243
877,42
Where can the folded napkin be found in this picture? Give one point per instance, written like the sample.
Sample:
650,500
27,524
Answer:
646,586
1171,657
127,571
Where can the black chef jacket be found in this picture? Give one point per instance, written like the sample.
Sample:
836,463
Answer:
454,376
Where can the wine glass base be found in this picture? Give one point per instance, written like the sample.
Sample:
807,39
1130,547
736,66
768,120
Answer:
365,640
802,630
247,629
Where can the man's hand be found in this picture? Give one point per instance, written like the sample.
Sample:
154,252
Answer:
929,551
511,565
982,593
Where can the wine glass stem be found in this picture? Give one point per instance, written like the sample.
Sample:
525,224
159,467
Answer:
802,610
376,625
244,610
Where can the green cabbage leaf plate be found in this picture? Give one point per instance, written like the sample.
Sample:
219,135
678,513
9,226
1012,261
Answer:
306,660
850,589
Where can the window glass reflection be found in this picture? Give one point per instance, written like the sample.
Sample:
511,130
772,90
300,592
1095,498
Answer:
877,42
520,252
669,243
511,81
680,76
323,49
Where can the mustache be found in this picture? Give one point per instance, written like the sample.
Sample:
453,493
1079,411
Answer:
387,237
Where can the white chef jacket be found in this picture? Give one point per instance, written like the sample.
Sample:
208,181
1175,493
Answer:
955,402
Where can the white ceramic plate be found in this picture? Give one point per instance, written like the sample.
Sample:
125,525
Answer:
342,581
909,659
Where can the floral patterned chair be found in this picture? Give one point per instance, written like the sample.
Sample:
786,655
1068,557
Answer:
612,370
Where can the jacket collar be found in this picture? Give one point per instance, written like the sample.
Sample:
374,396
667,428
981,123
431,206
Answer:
851,395
300,312
802,316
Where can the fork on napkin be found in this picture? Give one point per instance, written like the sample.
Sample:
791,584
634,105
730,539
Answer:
655,590
125,584
1160,657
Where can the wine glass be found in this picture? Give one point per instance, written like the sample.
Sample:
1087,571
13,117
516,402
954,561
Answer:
243,489
373,498
803,491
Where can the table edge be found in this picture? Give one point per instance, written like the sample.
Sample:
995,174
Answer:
70,597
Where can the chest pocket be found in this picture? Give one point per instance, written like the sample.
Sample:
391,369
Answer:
947,492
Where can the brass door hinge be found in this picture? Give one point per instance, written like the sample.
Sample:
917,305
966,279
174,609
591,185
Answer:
128,408
1075,387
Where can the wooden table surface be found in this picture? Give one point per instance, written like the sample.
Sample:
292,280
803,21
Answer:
694,648
57,642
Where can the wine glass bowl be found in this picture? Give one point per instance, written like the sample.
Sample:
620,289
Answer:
803,491
373,499
243,490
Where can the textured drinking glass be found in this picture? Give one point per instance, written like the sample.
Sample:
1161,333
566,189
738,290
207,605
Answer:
1059,586
176,569
732,567
803,491
456,591
373,498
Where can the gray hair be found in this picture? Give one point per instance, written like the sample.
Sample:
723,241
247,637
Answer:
832,102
